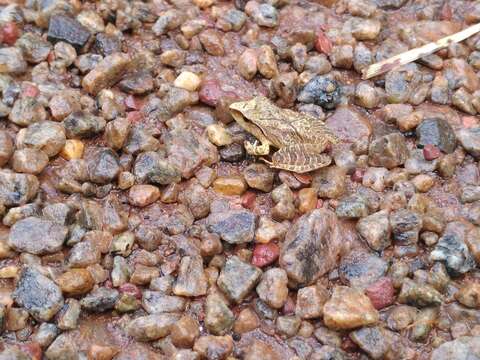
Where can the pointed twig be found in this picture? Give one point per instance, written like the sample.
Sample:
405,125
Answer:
415,54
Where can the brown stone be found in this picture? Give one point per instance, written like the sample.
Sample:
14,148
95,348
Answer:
349,308
76,282
143,195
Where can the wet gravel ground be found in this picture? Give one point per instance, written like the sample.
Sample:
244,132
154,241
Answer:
135,226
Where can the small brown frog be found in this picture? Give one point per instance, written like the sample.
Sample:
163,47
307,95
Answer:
299,138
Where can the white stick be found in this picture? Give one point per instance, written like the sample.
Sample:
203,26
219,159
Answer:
414,54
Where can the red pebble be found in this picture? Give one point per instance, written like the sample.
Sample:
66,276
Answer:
248,200
130,289
357,175
323,43
210,92
265,254
10,33
30,91
319,203
133,102
289,307
33,349
431,152
381,293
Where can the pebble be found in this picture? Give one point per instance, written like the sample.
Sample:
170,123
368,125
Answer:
318,232
184,332
62,348
103,166
219,318
322,91
67,318
259,176
168,20
151,327
27,111
45,334
155,302
191,279
260,350
307,200
230,185
352,207
348,308
212,42
366,96
151,167
75,282
454,253
389,151
310,302
35,49
469,295
246,321
12,61
272,288
374,341
287,326
81,125
143,195
64,28
438,132
100,300
188,81
381,293
406,226
341,56
73,149
469,138
263,14
17,189
29,161
106,73
221,346
461,348
423,182
218,135
248,64
360,269
37,294
265,254
37,236
420,295
83,254
266,62
375,229
47,136
238,278
98,352
330,182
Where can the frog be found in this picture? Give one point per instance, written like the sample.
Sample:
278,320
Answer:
300,139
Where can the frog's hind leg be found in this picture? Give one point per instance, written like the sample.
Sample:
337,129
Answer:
300,158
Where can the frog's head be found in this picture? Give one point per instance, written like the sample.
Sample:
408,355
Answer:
243,107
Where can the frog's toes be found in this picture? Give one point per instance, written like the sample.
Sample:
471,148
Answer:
257,150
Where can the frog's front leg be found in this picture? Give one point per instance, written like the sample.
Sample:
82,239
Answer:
257,150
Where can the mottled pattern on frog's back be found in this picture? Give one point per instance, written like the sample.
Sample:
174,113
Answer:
284,127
